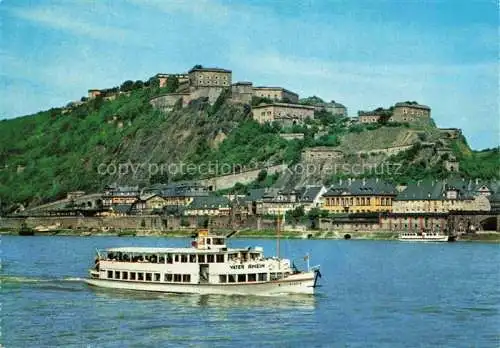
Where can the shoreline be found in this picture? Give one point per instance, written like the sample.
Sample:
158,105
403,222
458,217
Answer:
492,237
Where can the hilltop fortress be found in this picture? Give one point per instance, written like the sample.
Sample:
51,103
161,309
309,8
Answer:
269,103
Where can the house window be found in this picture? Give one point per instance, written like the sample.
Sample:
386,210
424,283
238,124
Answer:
222,278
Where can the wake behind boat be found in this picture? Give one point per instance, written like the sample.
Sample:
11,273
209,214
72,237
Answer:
207,267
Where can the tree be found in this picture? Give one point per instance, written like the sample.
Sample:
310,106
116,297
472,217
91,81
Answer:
197,66
138,84
172,84
262,175
127,86
297,213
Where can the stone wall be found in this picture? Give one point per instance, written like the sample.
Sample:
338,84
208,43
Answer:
321,153
212,93
389,151
167,102
404,112
292,136
242,92
228,181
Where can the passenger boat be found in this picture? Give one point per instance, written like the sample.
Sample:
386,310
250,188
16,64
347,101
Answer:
423,237
207,267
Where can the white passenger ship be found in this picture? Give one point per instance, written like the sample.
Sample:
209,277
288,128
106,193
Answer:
207,267
422,237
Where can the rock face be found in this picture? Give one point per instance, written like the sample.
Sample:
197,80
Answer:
219,138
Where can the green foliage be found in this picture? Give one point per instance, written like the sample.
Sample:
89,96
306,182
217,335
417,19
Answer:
260,100
127,86
296,214
262,175
172,84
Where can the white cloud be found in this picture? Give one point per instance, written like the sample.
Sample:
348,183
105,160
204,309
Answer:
81,21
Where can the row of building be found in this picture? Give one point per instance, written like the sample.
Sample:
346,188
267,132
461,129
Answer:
350,196
282,104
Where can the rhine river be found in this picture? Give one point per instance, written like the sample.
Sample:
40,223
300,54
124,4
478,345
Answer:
374,293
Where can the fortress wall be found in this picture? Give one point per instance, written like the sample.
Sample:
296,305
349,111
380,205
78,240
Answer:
228,181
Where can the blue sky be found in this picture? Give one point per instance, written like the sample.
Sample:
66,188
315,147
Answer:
364,54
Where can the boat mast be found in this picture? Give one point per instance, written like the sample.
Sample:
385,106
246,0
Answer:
278,240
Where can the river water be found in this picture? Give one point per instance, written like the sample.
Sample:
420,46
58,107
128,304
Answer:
374,293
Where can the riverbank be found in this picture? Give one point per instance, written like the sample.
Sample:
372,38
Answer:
261,234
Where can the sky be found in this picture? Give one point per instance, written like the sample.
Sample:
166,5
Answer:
363,54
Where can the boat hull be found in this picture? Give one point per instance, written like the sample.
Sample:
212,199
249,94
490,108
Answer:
427,239
303,283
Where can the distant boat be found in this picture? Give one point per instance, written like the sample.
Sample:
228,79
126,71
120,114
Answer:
422,237
24,230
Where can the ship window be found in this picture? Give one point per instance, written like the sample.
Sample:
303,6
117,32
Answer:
140,276
168,277
218,241
210,258
252,277
201,258
177,278
272,276
186,278
148,277
110,274
125,275
262,277
192,258
220,258
209,241
287,274
169,258
132,275
233,257
222,278
161,259
280,275
184,258
157,277
231,278
242,278
117,274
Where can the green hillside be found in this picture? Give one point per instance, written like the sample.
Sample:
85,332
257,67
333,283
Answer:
45,155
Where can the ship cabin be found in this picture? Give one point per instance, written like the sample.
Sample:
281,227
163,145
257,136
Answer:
208,260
